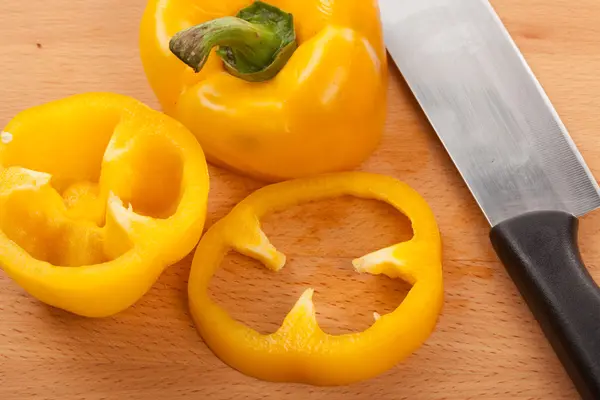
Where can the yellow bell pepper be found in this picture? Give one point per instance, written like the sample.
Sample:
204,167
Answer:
98,194
299,351
321,104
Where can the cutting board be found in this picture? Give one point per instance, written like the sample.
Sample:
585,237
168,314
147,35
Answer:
486,345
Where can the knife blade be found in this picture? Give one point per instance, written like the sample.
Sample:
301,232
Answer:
515,155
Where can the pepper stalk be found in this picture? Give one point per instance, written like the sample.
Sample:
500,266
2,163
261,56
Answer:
254,46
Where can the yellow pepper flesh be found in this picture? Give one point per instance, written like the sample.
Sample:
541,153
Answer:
98,194
299,351
323,112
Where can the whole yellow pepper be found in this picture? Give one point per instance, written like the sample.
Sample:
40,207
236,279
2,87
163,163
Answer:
320,104
98,194
299,351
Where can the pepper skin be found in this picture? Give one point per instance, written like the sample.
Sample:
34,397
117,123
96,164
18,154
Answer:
324,112
98,194
299,351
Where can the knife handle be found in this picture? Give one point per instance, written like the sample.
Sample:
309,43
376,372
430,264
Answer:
540,253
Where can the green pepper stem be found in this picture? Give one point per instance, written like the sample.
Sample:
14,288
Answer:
254,46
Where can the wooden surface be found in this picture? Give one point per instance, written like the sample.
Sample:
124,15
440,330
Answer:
486,346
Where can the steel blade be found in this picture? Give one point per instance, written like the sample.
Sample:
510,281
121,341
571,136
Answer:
487,107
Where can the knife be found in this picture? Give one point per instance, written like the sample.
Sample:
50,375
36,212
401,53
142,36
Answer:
516,156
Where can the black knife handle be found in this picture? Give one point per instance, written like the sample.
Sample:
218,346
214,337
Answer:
540,253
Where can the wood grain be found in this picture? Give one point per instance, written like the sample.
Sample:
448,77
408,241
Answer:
486,346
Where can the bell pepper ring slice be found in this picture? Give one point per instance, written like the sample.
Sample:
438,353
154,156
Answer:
98,194
299,351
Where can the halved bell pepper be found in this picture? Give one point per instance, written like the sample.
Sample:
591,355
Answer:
299,351
98,194
321,103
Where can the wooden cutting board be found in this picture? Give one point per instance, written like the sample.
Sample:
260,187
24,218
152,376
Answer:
486,346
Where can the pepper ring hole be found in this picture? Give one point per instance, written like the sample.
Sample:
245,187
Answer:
320,240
